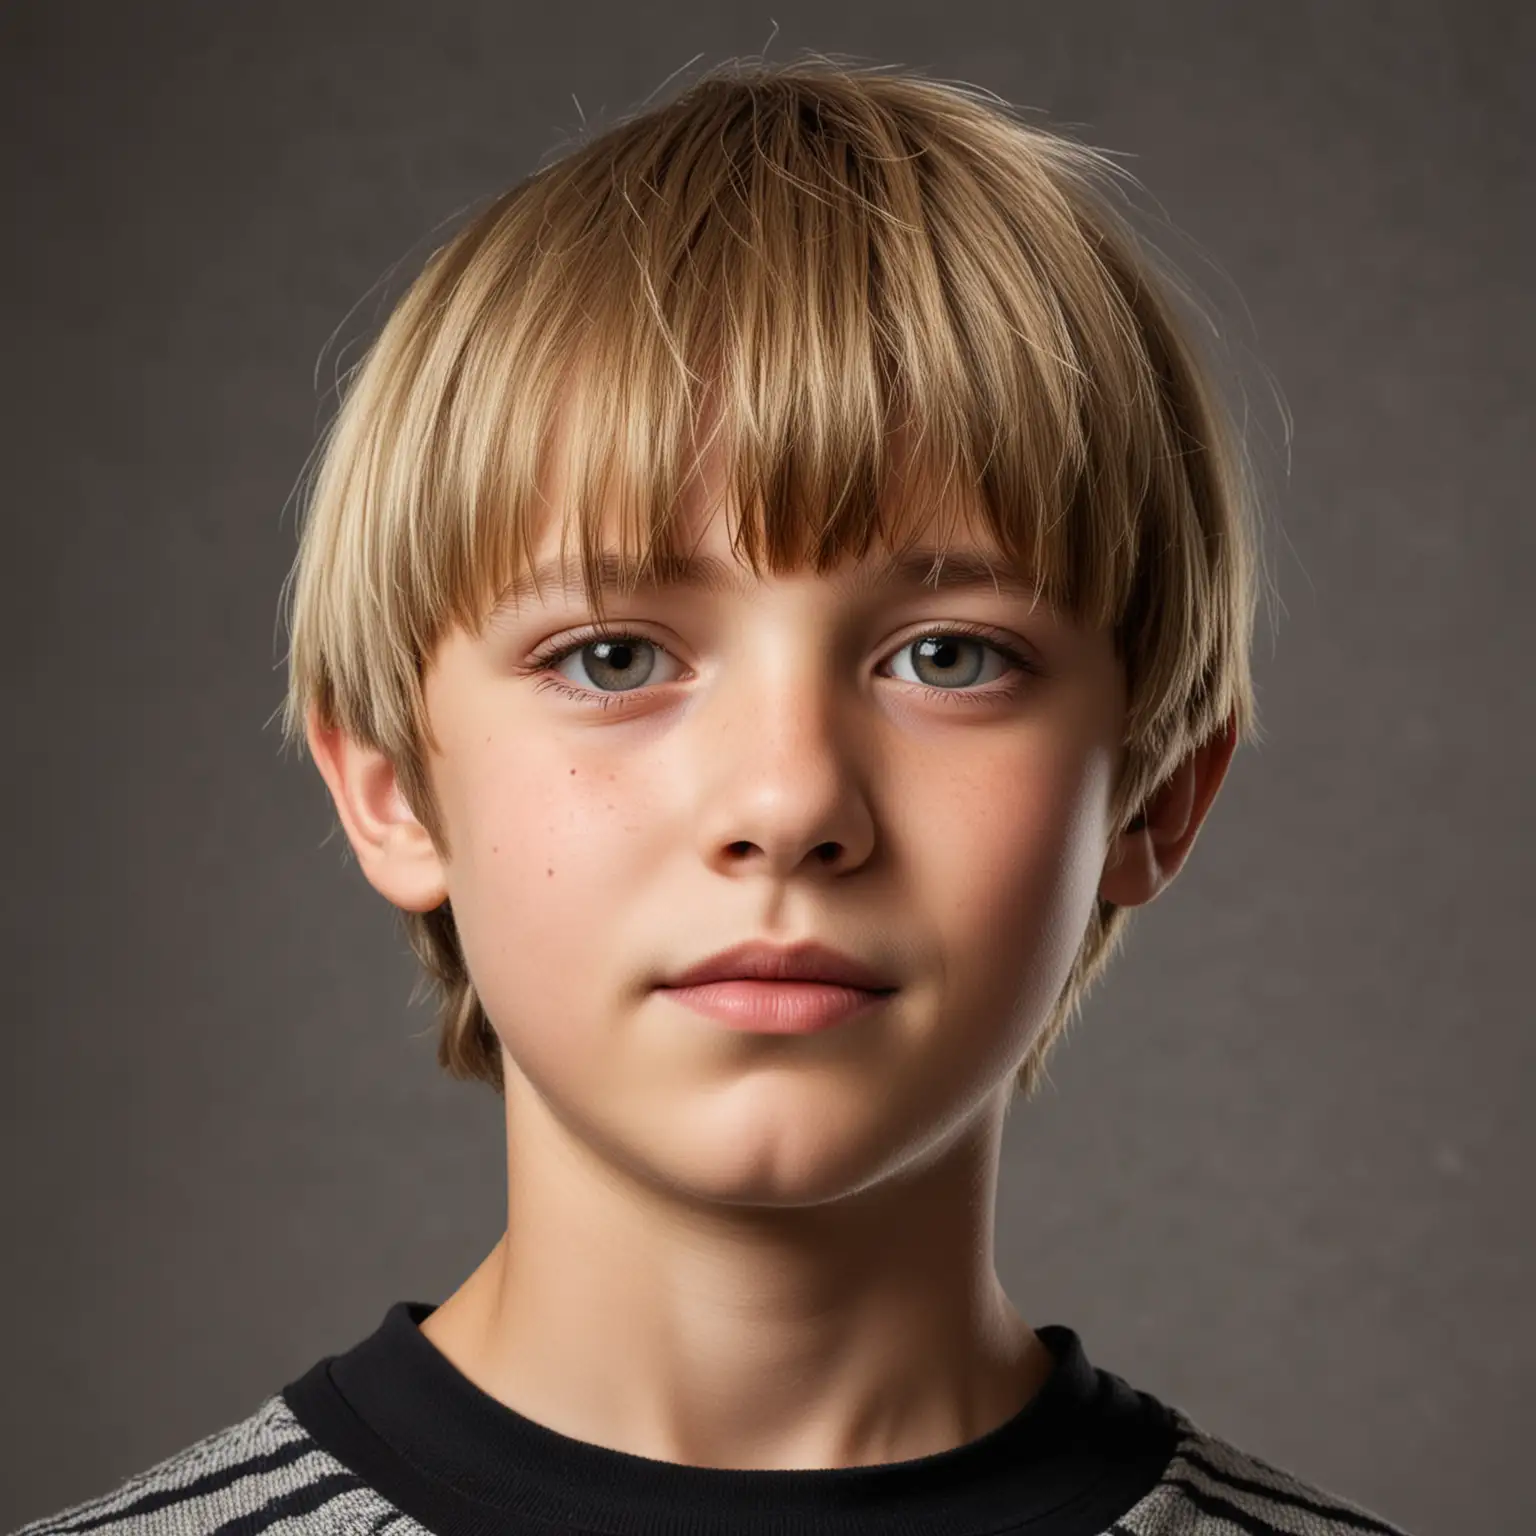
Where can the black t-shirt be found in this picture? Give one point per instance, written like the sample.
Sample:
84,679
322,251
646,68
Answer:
400,1415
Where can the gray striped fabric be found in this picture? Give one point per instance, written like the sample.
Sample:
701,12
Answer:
265,1474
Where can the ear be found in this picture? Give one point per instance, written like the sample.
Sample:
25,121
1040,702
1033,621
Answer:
393,849
1145,856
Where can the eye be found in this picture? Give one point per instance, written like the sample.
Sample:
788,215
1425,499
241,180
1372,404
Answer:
626,661
949,662
954,657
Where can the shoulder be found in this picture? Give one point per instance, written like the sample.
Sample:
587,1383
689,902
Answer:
251,1475
1211,1486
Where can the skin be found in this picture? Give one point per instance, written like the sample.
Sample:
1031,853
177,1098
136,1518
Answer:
727,1249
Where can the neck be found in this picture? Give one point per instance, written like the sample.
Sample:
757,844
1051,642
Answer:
863,1330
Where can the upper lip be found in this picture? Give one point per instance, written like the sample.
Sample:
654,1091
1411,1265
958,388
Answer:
807,961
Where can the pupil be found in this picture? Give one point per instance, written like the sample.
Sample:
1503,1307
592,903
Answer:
614,656
942,650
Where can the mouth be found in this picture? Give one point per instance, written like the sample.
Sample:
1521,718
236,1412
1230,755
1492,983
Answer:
778,1007
806,963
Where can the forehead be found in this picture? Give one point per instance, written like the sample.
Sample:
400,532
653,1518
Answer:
922,539
926,565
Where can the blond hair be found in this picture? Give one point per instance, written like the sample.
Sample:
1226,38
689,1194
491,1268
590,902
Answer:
812,259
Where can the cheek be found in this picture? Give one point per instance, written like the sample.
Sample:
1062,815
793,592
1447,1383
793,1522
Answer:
1010,871
537,877
541,823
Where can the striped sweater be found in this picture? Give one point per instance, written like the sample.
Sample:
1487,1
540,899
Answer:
390,1438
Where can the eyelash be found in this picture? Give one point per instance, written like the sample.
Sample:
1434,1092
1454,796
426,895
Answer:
550,657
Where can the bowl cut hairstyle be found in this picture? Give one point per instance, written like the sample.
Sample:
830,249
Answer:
878,299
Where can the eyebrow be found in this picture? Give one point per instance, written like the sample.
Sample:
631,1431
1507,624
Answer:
708,573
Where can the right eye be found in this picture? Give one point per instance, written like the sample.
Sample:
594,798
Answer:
613,658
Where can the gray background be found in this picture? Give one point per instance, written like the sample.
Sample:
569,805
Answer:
1278,1180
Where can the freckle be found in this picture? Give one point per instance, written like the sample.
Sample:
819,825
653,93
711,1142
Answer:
550,873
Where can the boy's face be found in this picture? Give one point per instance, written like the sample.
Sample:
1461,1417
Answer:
694,799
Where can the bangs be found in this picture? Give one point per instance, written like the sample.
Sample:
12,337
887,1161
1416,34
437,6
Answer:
872,327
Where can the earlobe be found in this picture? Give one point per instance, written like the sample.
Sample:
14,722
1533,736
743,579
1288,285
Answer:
1131,873
1152,847
394,851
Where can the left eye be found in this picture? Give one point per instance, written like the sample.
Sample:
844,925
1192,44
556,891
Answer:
939,651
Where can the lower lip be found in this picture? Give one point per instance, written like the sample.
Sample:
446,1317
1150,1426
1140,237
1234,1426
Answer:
776,1007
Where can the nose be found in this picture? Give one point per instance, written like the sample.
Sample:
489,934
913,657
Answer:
784,775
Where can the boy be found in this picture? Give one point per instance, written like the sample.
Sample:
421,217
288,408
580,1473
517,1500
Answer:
790,396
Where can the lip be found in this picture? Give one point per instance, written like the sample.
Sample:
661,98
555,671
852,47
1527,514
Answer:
776,1007
807,961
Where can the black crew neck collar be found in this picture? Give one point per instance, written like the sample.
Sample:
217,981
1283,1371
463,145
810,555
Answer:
396,1411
